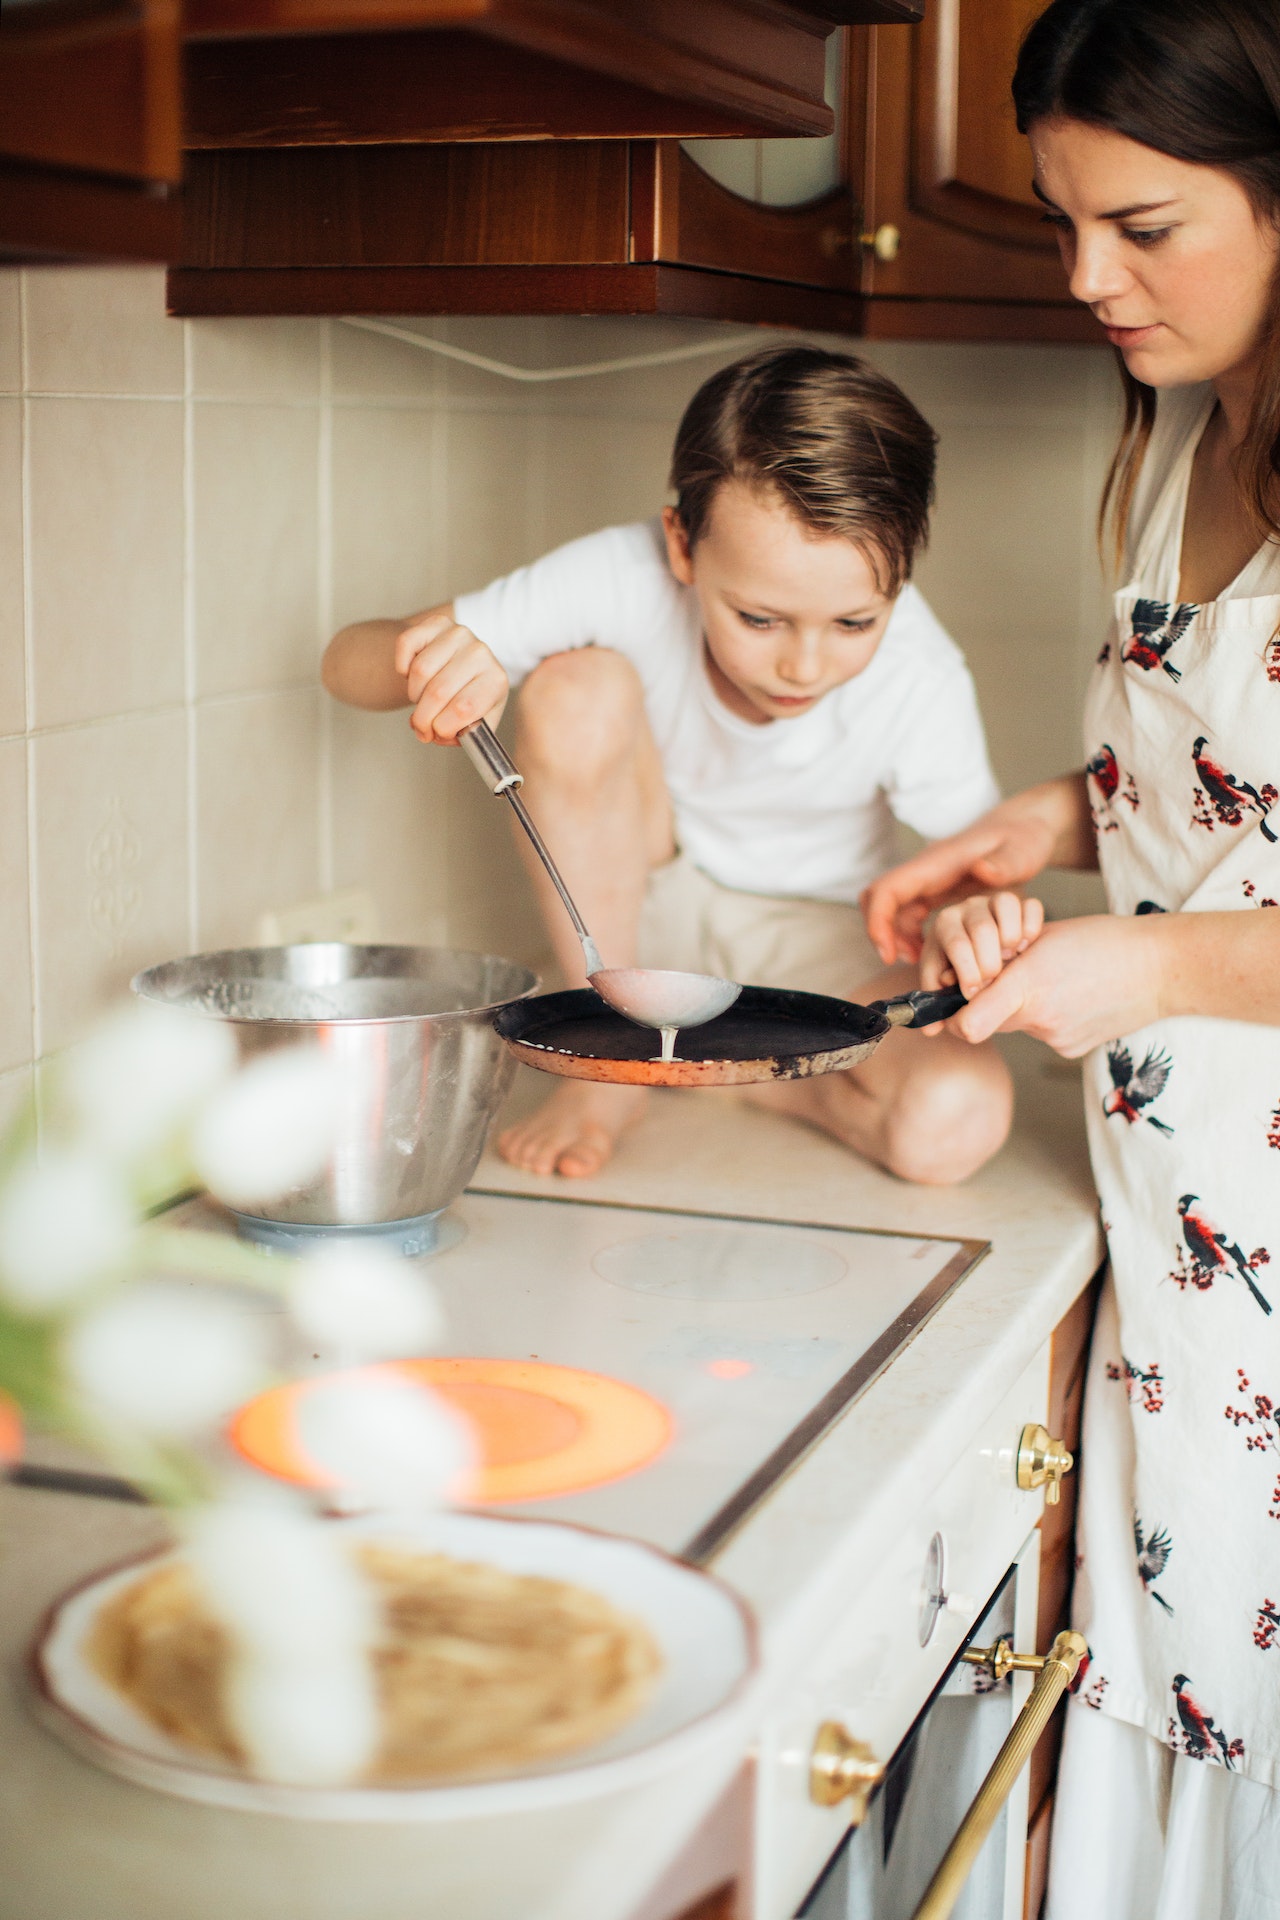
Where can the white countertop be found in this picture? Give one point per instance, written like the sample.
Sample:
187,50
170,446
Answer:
1035,1203
77,1842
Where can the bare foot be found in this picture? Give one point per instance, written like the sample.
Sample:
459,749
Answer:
574,1131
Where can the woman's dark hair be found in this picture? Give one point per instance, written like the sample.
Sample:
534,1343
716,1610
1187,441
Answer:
839,444
1199,80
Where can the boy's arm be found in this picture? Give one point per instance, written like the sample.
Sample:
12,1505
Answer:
359,665
427,661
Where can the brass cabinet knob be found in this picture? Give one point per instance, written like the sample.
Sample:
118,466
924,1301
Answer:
884,242
1042,1461
842,1768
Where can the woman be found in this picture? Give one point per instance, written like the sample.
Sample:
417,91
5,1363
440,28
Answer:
1155,131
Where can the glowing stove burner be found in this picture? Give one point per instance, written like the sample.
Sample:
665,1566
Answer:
543,1430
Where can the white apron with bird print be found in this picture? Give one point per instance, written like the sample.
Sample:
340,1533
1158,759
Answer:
1179,1585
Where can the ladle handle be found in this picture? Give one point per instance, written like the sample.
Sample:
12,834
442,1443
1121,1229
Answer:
490,758
921,1009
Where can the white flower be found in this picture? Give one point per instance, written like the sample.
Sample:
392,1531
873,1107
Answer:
64,1220
271,1128
305,1724
389,1442
134,1082
303,1618
164,1362
281,1579
363,1302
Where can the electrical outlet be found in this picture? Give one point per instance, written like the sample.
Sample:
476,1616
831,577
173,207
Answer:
348,915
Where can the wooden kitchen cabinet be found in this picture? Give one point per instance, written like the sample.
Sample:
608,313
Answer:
90,130
945,165
362,176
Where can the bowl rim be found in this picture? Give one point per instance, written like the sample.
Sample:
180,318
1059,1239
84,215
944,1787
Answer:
144,983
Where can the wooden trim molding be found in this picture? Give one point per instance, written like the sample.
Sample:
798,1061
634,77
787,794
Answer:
640,288
48,214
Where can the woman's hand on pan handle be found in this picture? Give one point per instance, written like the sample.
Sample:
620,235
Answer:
451,678
1080,983
1044,826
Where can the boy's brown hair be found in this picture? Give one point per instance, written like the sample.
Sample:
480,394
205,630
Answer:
837,442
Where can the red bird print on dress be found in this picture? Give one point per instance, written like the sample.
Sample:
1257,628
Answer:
1156,628
1211,1250
1104,770
1153,1557
1200,1737
1229,797
1133,1091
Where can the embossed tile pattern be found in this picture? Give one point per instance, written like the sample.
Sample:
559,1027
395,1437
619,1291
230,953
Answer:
111,860
257,811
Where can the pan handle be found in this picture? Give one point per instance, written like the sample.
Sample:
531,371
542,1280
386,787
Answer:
921,1009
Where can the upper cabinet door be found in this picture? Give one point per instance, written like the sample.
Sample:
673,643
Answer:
90,128
947,168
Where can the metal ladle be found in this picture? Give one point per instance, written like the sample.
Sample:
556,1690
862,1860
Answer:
650,996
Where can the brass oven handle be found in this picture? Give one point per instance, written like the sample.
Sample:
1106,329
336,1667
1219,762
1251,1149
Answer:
1056,1670
1042,1461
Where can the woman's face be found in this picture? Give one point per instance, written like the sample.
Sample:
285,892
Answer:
1170,256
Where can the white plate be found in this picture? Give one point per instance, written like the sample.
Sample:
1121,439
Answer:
704,1632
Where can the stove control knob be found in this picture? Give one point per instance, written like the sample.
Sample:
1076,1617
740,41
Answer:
842,1768
1042,1461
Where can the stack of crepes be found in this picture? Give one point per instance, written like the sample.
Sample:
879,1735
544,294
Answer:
479,1670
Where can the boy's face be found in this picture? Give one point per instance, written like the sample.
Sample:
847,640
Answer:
788,614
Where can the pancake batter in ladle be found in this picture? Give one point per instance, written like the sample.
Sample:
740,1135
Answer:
651,996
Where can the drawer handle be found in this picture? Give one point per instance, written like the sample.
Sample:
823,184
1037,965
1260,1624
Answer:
1042,1461
1054,1673
842,1768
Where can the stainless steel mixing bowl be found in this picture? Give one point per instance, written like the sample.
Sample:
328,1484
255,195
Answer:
413,1026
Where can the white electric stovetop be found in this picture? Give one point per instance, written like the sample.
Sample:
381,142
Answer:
752,1335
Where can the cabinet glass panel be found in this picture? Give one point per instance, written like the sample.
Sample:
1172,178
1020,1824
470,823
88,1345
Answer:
782,173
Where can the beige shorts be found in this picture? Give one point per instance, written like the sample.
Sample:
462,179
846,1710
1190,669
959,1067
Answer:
692,923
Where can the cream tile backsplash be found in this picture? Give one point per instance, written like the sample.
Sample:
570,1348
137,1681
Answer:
187,510
13,672
15,927
255,488
104,547
109,806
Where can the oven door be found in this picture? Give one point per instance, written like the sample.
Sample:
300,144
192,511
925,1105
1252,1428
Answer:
884,1866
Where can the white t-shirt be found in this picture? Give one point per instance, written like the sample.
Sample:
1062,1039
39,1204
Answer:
798,807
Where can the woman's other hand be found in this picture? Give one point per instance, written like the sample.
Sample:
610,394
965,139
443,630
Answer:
1081,983
1045,826
452,679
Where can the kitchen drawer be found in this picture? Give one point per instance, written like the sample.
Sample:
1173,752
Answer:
870,1672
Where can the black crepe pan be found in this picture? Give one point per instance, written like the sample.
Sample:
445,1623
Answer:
769,1033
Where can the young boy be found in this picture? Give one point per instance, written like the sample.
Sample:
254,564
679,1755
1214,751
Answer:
720,715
